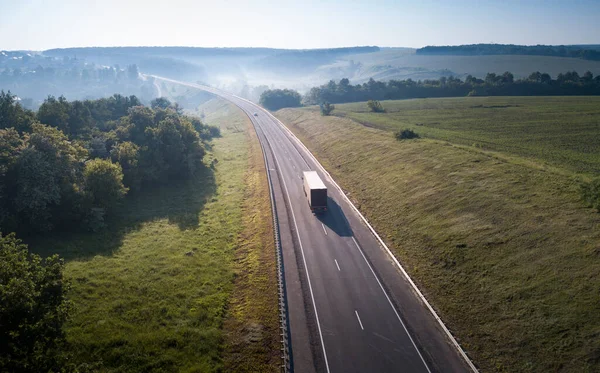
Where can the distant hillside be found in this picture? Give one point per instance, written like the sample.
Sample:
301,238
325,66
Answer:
574,51
302,61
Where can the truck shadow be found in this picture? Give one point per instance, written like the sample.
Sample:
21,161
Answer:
334,219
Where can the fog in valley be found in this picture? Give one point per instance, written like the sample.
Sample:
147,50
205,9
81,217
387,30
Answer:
85,73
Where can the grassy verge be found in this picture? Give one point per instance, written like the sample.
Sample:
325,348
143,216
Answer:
506,252
158,290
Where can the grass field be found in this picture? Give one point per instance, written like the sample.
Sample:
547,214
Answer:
186,279
550,131
502,247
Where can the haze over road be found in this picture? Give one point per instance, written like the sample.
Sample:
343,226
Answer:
345,294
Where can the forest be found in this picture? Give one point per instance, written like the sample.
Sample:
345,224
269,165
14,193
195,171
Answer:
69,165
586,52
536,84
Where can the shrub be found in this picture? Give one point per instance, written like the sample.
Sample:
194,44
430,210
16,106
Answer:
375,106
406,134
326,108
590,193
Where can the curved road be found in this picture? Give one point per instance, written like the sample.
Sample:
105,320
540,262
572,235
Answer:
350,307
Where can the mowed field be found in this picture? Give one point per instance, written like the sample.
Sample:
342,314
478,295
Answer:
186,280
549,131
484,216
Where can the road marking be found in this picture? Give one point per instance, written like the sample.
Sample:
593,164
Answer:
358,317
293,137
324,230
337,265
299,177
391,305
312,296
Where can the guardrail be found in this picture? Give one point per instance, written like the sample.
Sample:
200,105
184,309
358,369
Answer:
286,356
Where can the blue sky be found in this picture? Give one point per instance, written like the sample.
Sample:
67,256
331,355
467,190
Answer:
42,24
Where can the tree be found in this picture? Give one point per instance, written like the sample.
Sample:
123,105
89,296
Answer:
80,118
160,103
33,309
55,113
375,106
46,175
10,147
127,155
275,99
12,115
326,108
133,72
103,182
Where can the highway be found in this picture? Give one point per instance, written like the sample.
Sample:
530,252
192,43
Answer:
351,307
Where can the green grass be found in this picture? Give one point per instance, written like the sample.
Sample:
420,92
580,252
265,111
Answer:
504,250
154,291
557,131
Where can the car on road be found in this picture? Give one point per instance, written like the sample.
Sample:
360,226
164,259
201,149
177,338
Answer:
255,114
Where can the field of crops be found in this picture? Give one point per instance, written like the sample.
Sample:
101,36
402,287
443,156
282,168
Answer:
562,132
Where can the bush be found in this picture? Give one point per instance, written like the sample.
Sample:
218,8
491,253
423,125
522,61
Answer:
375,106
326,108
406,134
33,309
590,193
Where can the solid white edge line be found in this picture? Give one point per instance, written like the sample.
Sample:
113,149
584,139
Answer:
303,259
324,230
391,305
337,265
359,322
389,252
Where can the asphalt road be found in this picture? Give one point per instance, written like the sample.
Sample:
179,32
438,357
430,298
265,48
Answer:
350,307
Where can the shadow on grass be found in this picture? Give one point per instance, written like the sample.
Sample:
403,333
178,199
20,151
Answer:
335,219
179,201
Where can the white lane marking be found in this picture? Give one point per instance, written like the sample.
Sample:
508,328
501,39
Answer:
324,230
389,252
299,177
303,259
337,265
391,305
358,317
295,139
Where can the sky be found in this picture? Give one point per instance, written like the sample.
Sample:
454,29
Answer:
42,24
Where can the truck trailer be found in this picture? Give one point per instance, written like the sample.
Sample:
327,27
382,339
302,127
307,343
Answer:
315,191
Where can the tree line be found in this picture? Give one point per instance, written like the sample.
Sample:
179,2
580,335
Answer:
69,164
536,84
573,51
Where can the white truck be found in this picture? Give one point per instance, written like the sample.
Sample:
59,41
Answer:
315,191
